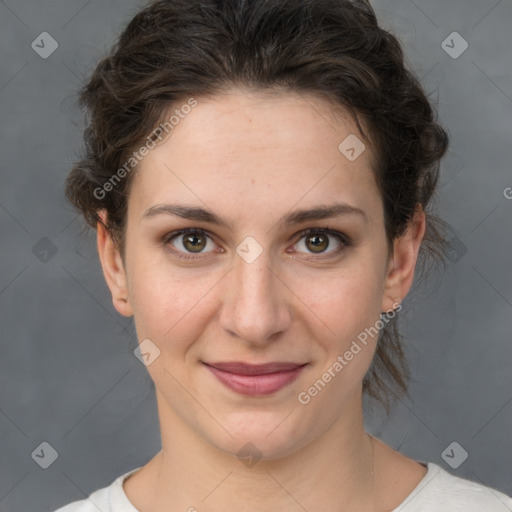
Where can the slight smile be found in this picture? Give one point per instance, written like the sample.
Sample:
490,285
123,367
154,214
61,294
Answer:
256,380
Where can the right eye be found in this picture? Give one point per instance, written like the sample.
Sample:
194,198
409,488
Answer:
186,242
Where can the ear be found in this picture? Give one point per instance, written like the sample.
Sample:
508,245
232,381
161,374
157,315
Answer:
113,267
402,262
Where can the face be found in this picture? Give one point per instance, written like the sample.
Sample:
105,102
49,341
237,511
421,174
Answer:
247,176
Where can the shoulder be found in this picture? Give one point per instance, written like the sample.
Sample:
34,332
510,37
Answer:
440,491
107,499
98,500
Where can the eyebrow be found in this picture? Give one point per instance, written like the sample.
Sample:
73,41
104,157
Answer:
198,213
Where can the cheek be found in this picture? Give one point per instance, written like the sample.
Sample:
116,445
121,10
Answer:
167,302
349,298
349,307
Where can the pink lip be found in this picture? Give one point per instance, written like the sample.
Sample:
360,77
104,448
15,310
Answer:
259,379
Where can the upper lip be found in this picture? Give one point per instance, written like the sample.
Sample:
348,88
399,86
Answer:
241,368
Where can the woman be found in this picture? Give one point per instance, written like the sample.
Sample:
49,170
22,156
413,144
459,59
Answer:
260,175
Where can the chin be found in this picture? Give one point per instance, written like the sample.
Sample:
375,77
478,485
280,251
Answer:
254,437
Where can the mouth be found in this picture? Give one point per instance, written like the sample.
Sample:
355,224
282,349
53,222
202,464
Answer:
256,380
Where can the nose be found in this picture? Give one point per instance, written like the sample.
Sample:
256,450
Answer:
256,308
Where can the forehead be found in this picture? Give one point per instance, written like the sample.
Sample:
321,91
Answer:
255,149
239,120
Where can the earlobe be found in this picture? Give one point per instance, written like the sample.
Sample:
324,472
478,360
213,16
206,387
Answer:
113,268
402,263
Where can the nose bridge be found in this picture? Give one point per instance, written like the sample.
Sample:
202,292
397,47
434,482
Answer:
256,308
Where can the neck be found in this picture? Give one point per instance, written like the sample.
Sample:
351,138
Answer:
333,472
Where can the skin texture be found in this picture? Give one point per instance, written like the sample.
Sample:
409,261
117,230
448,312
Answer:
252,159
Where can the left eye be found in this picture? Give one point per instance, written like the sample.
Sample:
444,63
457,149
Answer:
316,241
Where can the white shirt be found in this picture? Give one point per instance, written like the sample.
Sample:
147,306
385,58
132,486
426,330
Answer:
438,491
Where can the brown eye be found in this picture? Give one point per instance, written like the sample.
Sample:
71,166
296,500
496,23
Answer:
194,242
317,243
318,240
190,241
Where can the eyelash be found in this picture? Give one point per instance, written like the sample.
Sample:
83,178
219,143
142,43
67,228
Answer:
342,238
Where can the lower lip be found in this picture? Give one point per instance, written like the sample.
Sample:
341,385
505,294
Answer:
256,385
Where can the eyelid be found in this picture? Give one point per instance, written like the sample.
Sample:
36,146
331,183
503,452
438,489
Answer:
342,238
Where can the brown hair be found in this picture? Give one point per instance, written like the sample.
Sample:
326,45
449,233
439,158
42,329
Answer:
176,49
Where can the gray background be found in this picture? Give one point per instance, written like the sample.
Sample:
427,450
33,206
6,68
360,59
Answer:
68,374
